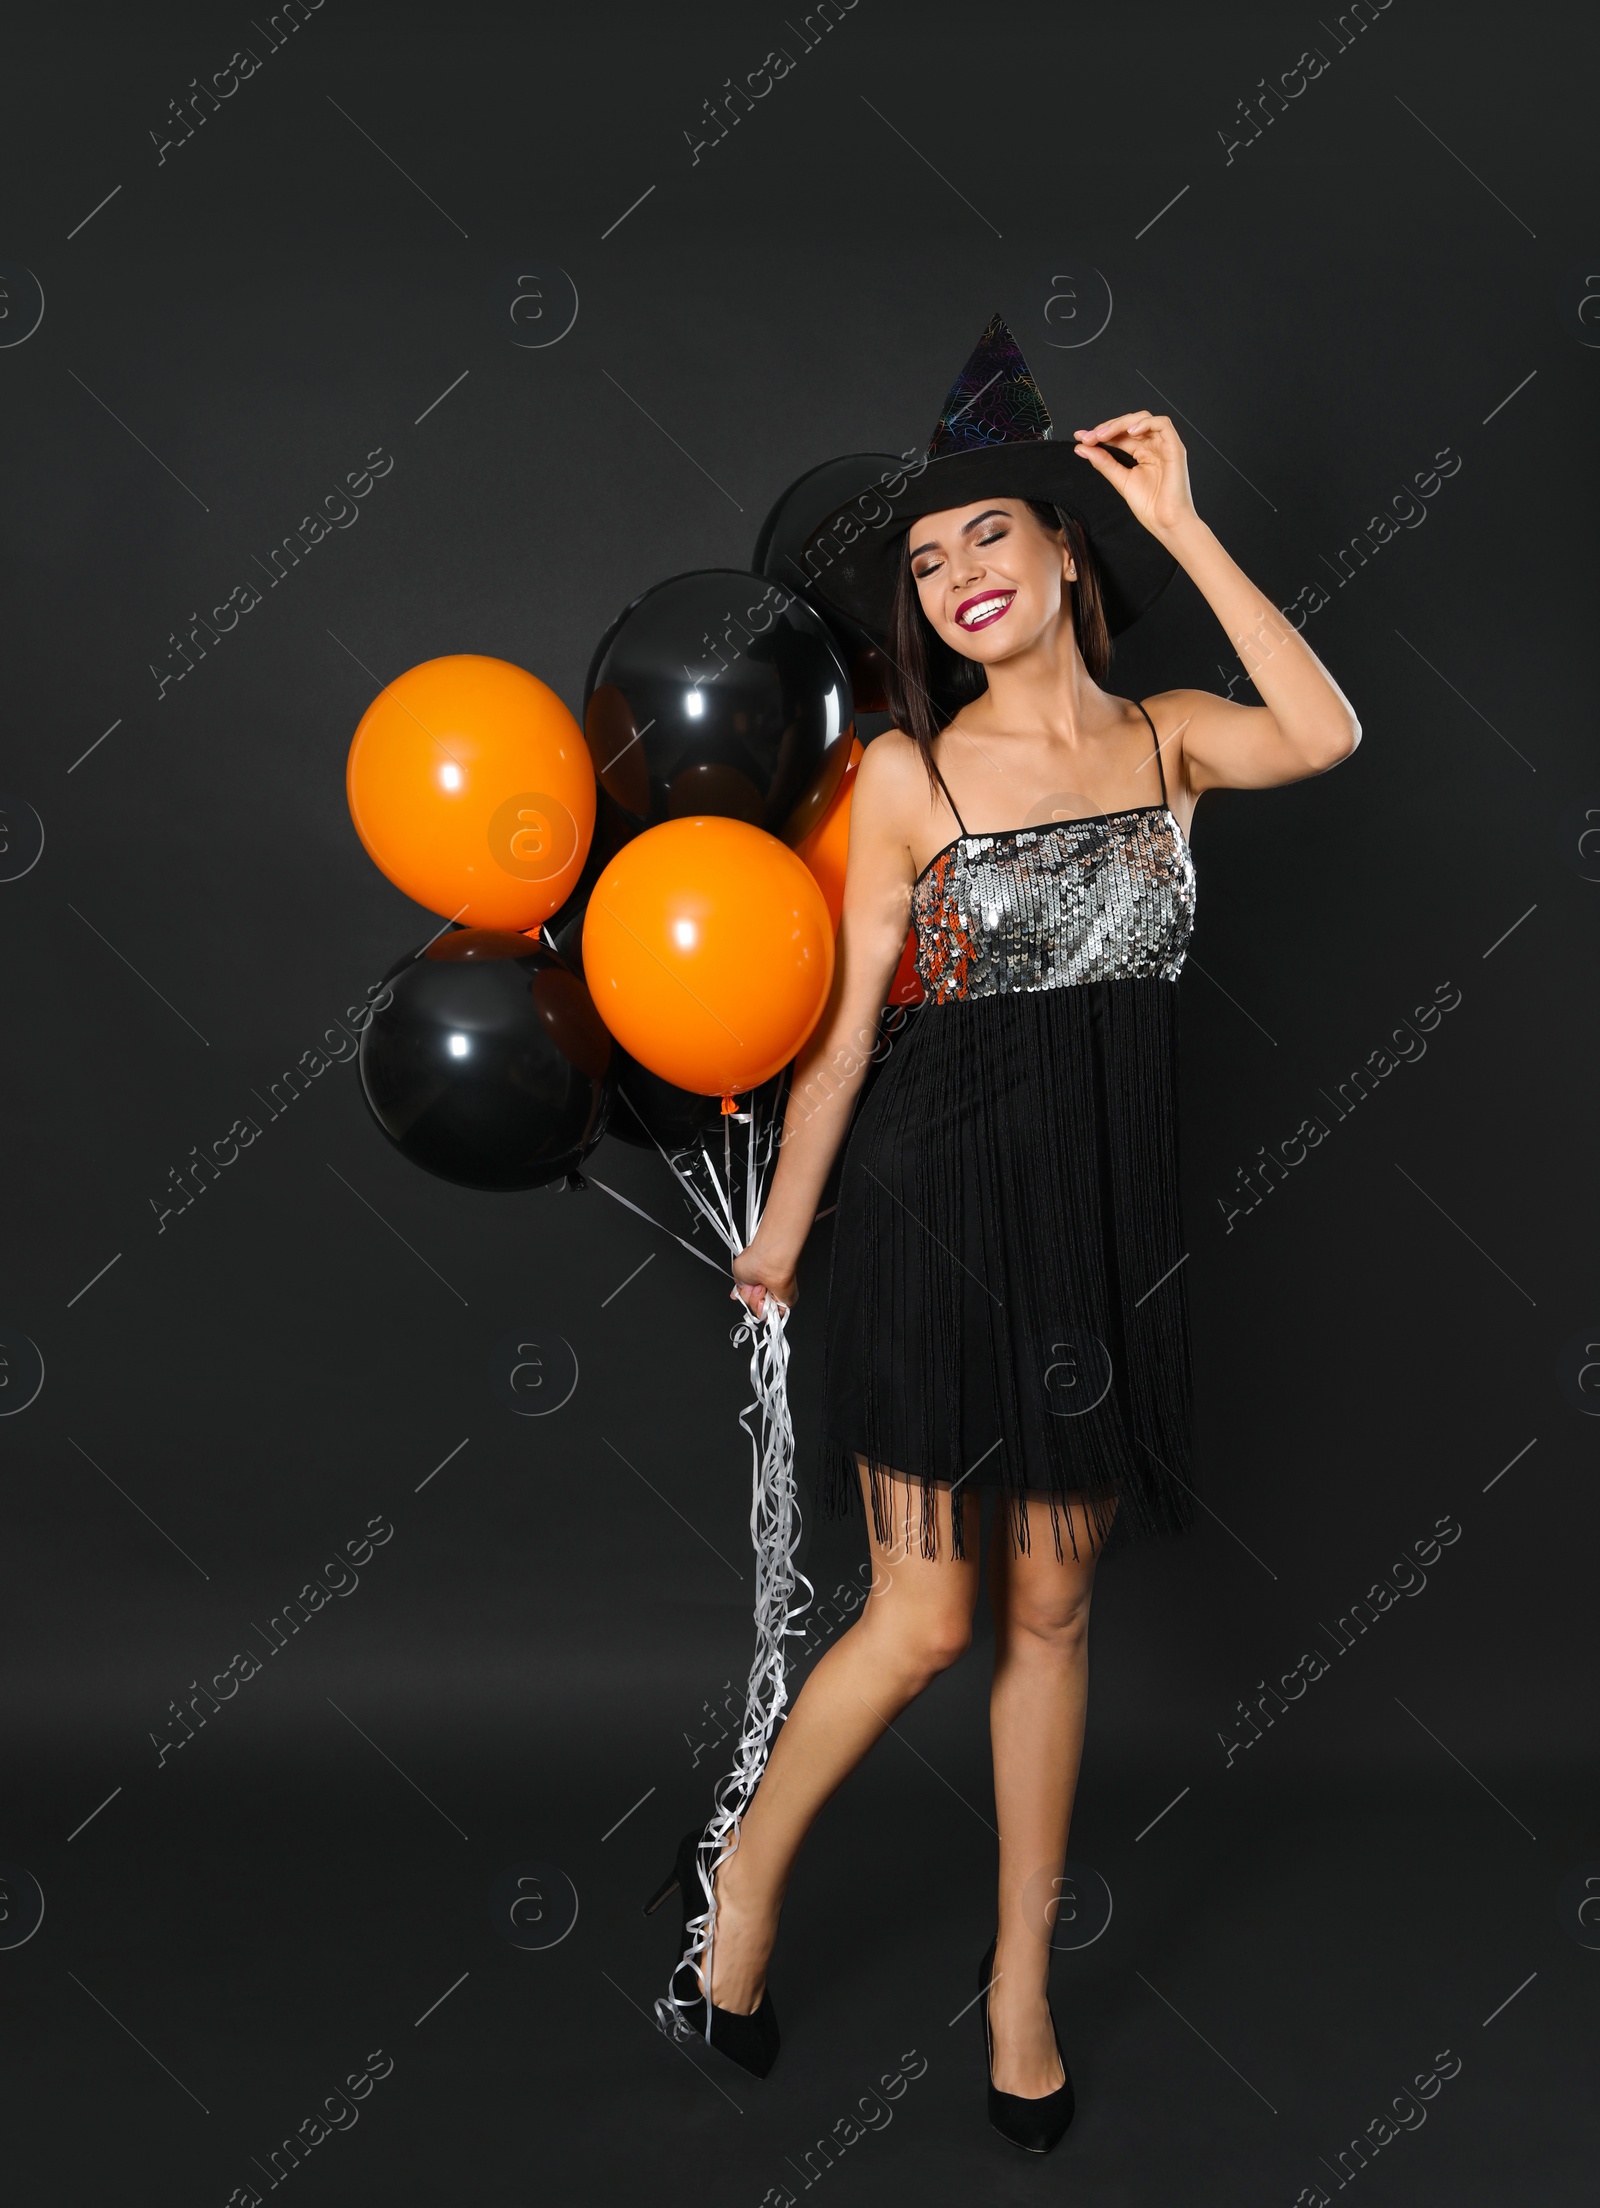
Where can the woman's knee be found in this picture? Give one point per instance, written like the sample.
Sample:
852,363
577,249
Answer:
923,1639
1055,1617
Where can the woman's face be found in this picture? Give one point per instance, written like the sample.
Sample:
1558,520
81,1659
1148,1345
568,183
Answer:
989,576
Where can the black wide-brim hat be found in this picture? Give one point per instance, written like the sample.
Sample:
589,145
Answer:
993,441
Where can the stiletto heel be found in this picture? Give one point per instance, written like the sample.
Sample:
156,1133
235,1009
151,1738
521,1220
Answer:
1035,2125
751,2041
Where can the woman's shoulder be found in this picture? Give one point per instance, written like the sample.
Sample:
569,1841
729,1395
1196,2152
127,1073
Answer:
890,766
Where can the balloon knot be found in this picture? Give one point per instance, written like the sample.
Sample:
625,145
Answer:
729,1108
574,1182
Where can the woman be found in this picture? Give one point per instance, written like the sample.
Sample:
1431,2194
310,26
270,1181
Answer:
1006,1301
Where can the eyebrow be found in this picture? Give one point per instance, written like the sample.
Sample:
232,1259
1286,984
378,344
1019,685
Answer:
990,513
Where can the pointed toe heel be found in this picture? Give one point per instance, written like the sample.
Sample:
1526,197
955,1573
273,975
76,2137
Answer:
1034,2125
751,2041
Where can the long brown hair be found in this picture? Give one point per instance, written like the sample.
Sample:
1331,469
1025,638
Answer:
928,682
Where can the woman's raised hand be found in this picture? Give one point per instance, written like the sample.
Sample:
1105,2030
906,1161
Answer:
757,1275
1156,487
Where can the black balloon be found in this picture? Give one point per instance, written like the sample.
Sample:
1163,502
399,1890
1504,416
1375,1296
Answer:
489,1065
782,553
718,692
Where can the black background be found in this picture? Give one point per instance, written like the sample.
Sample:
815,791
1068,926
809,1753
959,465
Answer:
535,1650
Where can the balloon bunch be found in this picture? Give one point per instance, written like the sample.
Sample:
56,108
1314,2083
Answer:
639,913
638,921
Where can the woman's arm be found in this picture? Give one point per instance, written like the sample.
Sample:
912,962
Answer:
1306,723
829,1071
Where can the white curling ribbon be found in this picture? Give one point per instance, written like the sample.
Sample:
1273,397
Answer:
774,1540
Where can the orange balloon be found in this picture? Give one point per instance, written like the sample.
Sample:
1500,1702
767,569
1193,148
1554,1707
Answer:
826,851
472,788
707,950
826,848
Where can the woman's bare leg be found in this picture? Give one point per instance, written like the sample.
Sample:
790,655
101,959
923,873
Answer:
916,1620
1036,1719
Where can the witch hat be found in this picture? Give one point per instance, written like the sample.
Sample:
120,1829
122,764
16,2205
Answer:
992,440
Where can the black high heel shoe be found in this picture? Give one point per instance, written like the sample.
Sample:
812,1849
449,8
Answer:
1035,2125
750,2041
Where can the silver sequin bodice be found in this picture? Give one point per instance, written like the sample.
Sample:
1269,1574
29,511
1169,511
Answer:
1110,898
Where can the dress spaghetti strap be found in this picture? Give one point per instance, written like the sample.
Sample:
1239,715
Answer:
949,800
1161,770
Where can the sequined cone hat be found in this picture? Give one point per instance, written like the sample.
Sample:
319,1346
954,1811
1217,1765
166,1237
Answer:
993,440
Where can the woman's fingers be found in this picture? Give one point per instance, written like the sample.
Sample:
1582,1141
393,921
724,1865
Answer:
1122,424
1102,462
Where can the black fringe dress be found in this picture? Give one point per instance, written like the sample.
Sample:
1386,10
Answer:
1006,1301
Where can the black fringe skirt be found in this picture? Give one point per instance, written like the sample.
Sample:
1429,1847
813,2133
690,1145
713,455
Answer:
1006,1301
